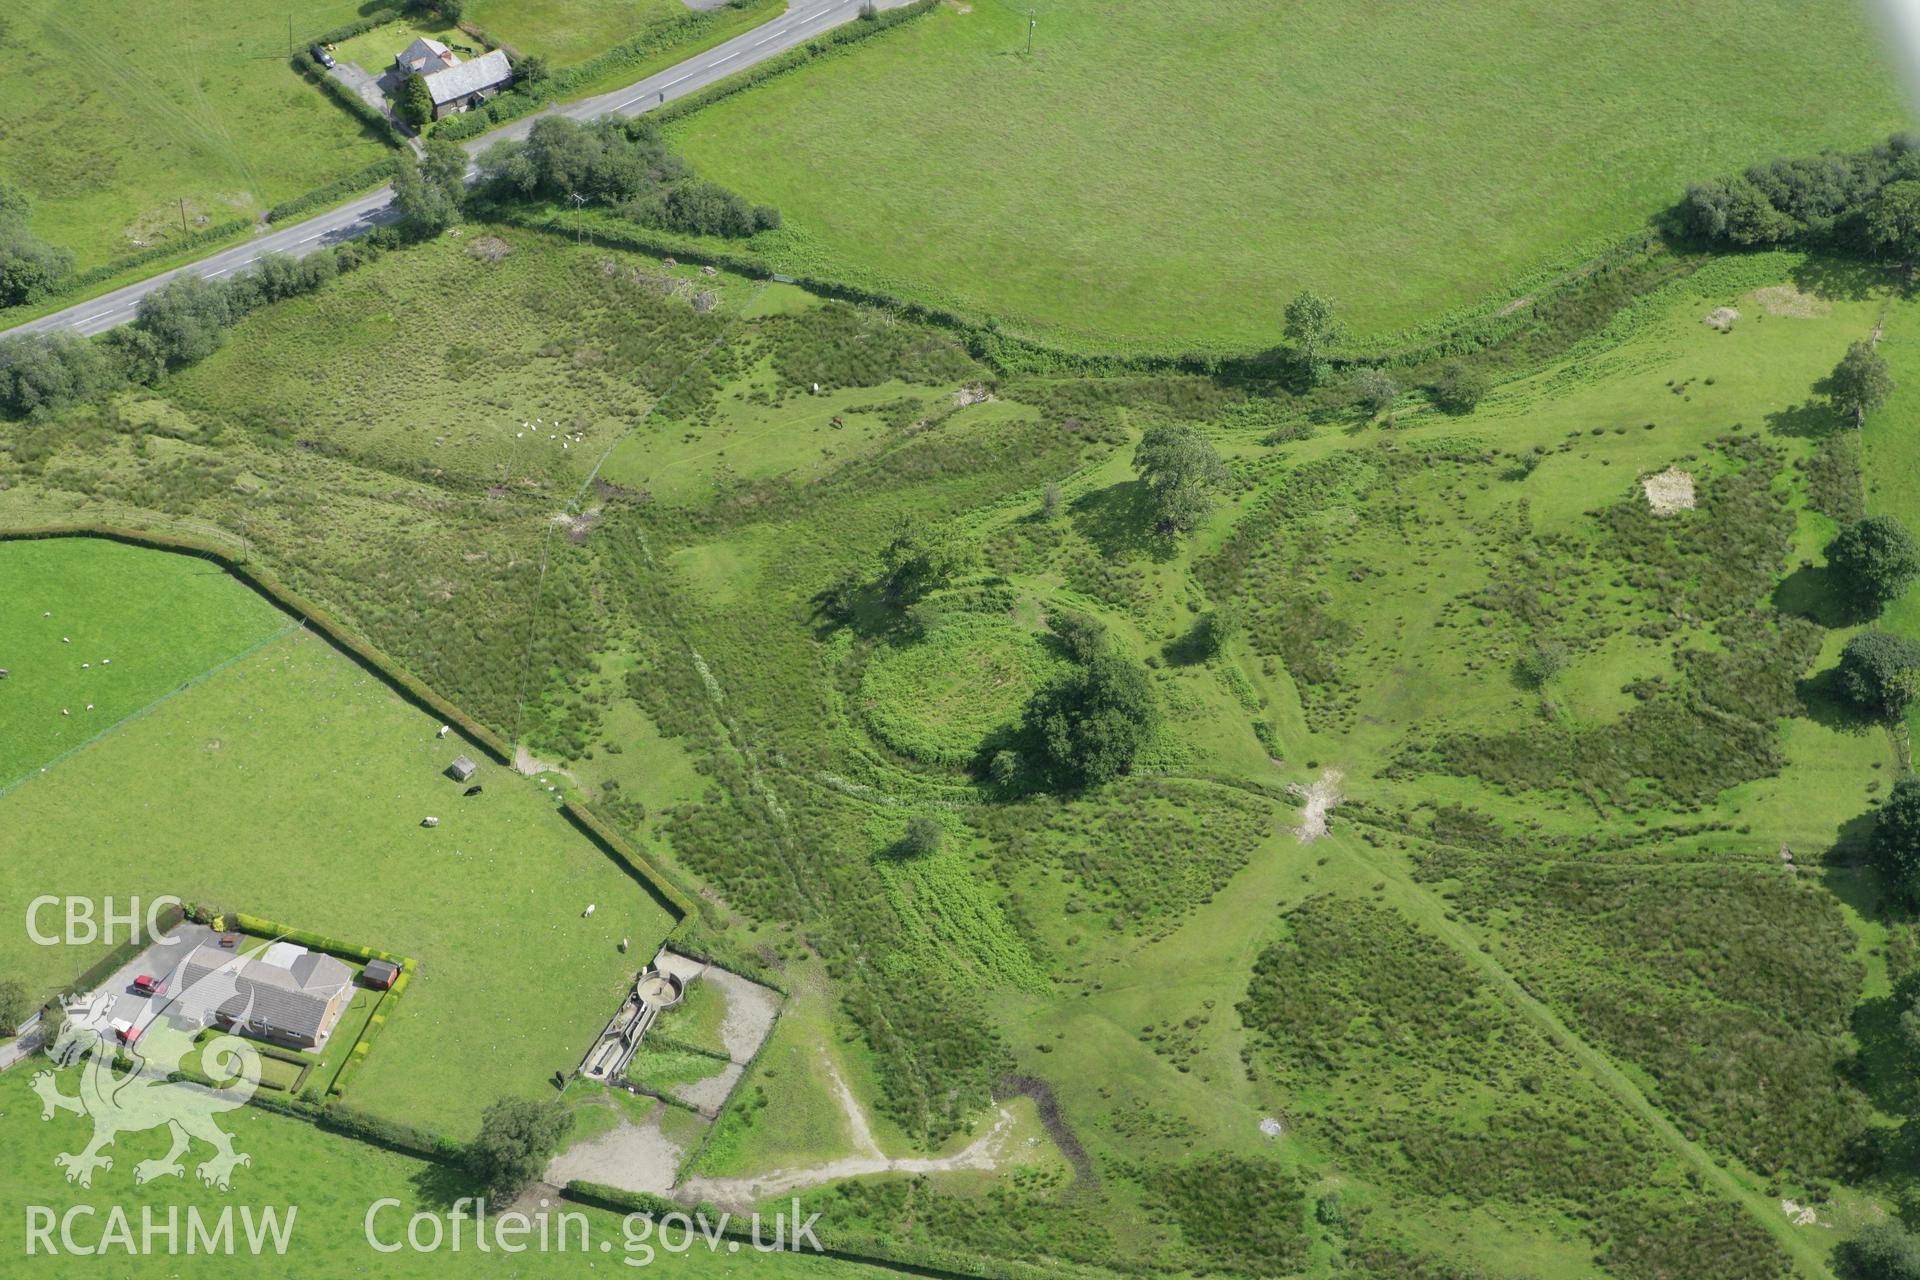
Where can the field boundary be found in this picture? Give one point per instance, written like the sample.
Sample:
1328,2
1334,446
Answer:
378,663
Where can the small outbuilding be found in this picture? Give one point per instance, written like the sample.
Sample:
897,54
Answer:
380,975
461,769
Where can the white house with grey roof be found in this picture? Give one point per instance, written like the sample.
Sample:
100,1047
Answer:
454,85
282,992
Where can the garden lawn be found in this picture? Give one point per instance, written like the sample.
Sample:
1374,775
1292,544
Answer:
114,114
292,786
1164,176
92,631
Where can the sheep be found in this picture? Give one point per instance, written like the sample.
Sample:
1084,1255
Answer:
589,911
445,729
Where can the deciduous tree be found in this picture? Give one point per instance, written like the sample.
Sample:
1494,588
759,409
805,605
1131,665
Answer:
1181,471
1875,560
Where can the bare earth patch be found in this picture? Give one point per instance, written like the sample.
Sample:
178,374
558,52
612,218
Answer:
1321,796
973,393
1669,492
1786,300
638,1157
738,1193
1721,318
490,248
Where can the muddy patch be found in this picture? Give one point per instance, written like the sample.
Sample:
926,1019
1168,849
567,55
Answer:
638,1157
1669,492
1321,795
1720,318
489,248
1785,300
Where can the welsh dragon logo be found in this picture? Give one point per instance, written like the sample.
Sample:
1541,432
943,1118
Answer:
141,1096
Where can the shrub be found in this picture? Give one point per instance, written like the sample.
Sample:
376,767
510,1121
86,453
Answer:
1542,663
1373,390
30,268
1895,843
15,1006
1083,636
415,101
1214,629
1311,329
922,838
1460,387
1879,672
1882,1251
1860,382
1876,559
1092,724
1005,767
517,1135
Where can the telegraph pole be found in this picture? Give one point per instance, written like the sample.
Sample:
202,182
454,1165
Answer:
579,198
1031,23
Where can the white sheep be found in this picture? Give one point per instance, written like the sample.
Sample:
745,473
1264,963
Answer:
444,730
589,911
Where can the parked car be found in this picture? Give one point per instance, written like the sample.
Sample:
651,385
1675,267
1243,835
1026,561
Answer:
322,57
126,1032
149,986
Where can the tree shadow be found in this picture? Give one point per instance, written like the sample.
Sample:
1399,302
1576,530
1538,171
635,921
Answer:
1120,521
1824,703
1848,279
848,604
1815,592
441,1186
1810,420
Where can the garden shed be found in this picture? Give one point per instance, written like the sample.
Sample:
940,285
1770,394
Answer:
461,769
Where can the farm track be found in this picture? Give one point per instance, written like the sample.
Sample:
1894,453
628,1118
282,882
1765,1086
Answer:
360,216
1430,912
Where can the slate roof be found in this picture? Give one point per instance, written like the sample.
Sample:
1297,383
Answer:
483,72
288,998
427,56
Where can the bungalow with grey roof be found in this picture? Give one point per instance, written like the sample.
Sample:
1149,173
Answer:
282,992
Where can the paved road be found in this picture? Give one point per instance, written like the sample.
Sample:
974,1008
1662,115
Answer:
804,20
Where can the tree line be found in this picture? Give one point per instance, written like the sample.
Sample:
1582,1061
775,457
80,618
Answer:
183,321
624,165
30,268
1865,202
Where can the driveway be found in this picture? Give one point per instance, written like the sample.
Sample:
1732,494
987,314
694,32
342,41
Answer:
377,92
115,999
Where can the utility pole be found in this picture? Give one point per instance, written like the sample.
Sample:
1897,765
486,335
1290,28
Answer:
289,33
1031,23
183,216
579,198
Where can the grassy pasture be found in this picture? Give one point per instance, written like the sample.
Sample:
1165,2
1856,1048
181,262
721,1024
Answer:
1099,942
140,625
330,1181
569,31
1164,176
116,115
291,785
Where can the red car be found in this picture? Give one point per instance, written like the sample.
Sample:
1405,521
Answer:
127,1033
147,986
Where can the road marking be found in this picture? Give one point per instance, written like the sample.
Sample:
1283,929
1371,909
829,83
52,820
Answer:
315,236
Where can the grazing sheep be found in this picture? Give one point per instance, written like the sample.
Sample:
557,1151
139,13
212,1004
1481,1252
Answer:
589,910
429,822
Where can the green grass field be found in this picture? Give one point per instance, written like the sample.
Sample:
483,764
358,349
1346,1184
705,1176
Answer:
115,117
291,786
93,632
1165,176
569,31
1547,999
328,1183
